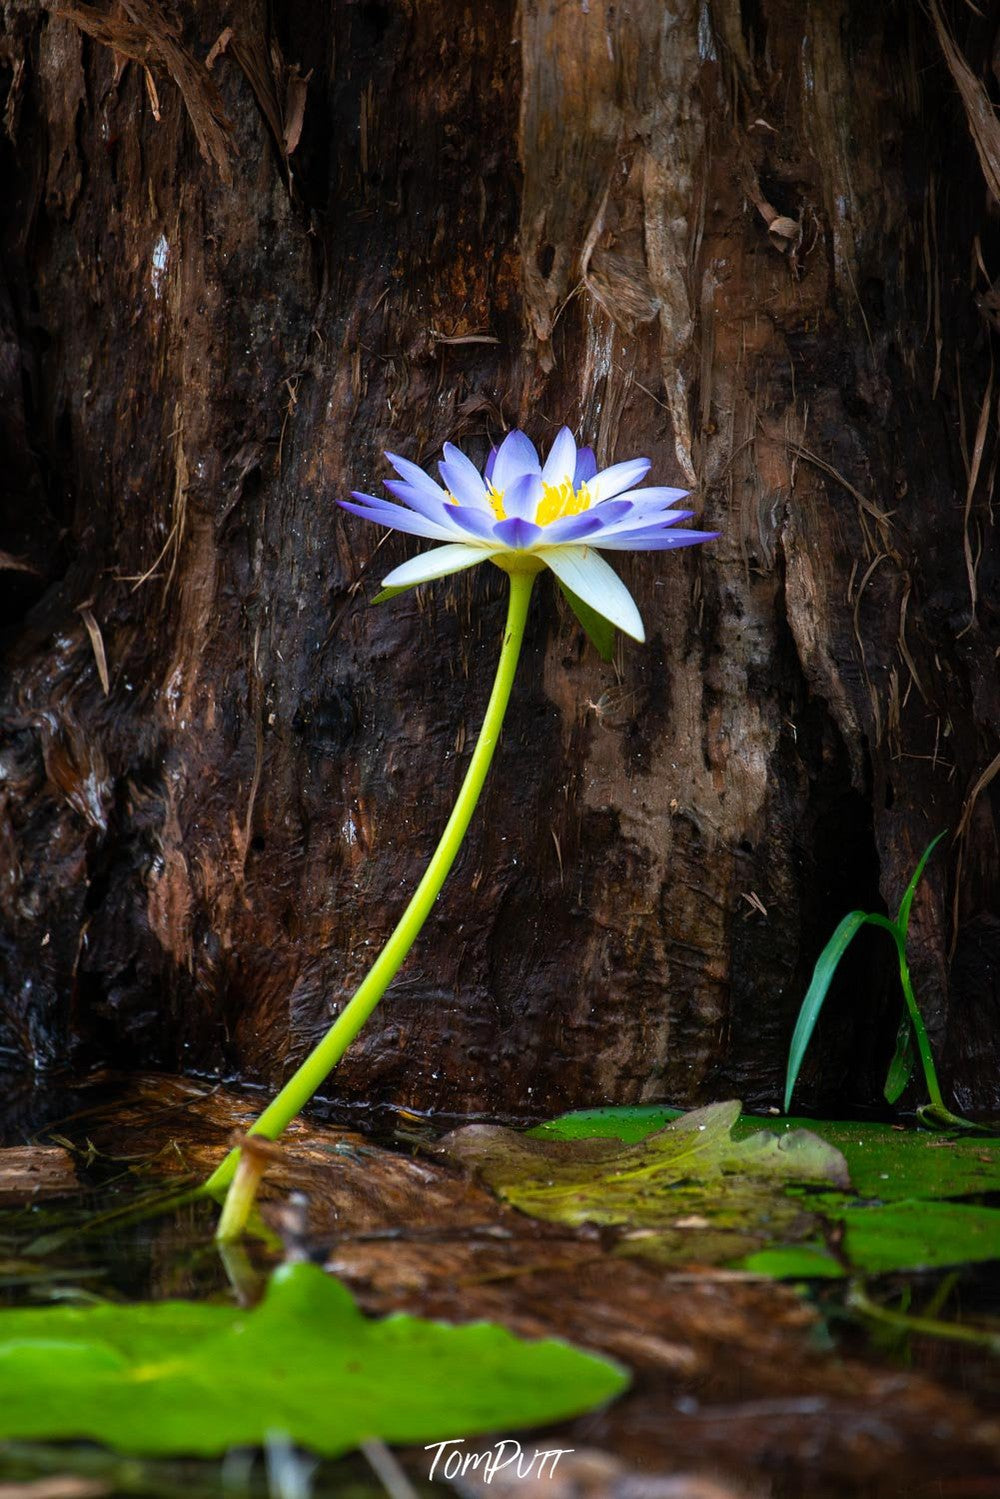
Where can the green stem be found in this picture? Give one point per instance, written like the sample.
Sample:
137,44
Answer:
314,1070
928,1326
898,935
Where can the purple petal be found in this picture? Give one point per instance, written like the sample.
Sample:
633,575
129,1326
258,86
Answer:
652,541
586,467
520,499
488,470
459,486
430,507
600,518
398,518
609,512
611,482
560,465
654,494
463,477
472,519
517,532
641,520
516,456
415,475
572,527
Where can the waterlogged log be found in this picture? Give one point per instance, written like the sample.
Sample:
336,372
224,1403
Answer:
247,251
34,1173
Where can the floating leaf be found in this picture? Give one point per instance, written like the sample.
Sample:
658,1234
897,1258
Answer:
630,1122
794,1262
893,1164
917,1235
183,1377
689,1191
883,1161
773,1234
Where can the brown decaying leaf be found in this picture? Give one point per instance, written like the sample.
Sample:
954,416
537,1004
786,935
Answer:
278,87
97,641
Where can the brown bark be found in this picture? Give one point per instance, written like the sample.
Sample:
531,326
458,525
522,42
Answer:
735,240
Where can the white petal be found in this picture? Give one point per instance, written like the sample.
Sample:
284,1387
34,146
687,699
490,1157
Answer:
619,477
560,465
437,563
586,574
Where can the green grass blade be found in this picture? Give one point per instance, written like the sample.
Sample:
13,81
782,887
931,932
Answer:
902,1064
903,919
826,967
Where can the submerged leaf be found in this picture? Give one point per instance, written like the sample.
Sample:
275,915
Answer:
883,1160
183,1377
731,1212
918,1235
689,1191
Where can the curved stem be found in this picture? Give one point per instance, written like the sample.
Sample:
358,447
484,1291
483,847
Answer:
309,1077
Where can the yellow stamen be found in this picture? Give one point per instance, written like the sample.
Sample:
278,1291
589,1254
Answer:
559,500
495,497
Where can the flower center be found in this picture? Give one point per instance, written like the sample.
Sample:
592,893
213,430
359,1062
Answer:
559,500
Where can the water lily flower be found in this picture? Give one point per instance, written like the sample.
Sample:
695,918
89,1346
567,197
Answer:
524,516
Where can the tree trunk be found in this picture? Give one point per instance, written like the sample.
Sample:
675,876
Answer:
249,248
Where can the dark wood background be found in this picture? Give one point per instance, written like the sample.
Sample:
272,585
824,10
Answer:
245,248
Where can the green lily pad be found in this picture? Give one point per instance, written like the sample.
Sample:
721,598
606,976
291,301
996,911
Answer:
883,1161
894,1164
689,1192
181,1377
917,1235
901,1219
794,1262
630,1123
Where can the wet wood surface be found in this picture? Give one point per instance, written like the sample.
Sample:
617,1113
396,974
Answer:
34,1173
